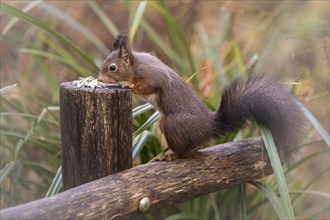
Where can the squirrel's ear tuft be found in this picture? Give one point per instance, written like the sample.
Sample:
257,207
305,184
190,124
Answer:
122,44
121,40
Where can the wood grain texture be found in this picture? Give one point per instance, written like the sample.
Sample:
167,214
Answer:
96,133
165,183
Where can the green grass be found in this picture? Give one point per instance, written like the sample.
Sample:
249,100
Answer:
37,62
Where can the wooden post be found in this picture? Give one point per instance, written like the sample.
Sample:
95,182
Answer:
96,133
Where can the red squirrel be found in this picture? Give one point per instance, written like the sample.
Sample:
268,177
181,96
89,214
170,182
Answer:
185,121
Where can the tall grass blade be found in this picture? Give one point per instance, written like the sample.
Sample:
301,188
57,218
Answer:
250,64
28,116
211,53
26,9
137,19
317,125
20,143
317,177
305,160
242,202
267,51
56,185
16,134
162,44
174,27
59,59
7,88
18,148
54,108
38,168
214,206
25,17
273,199
321,209
312,192
51,80
233,60
131,6
151,120
104,18
76,26
278,171
139,141
194,74
141,109
8,169
171,23
41,116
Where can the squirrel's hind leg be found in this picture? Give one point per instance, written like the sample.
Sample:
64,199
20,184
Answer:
183,132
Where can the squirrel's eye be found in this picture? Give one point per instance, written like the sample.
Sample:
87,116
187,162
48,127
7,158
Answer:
112,67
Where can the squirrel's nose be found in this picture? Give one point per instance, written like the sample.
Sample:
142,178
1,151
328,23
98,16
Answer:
105,78
99,77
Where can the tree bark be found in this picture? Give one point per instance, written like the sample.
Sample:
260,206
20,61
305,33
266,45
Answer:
165,183
96,133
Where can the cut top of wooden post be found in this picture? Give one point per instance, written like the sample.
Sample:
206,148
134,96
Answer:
96,132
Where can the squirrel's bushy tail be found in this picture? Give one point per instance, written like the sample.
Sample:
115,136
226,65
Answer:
269,103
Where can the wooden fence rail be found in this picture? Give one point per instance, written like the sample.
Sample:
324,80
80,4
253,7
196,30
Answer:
117,196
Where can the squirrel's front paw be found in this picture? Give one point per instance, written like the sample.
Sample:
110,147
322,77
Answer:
126,84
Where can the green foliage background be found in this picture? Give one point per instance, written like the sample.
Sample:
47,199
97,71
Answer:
44,43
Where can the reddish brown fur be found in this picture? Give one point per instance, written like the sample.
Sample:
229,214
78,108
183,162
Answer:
186,122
